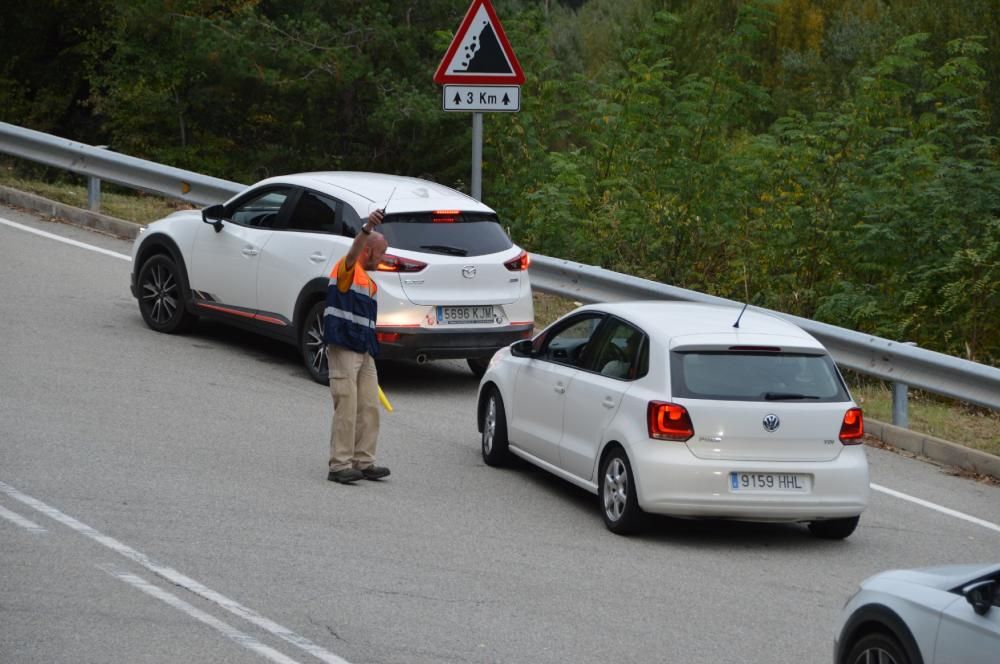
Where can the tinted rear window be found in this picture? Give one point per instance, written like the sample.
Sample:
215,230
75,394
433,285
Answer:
756,376
468,234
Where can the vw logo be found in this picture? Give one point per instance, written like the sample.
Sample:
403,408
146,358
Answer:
771,423
469,271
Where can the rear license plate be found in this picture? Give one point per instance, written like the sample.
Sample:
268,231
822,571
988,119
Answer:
769,483
480,314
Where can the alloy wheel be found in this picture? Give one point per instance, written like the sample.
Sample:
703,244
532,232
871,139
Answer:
875,656
160,294
615,489
490,425
315,346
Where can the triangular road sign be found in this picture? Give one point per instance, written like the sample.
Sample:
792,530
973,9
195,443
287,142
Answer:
480,53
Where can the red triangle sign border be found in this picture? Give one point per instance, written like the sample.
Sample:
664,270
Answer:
441,76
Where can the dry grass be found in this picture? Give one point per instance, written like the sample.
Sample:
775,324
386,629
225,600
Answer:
978,428
115,201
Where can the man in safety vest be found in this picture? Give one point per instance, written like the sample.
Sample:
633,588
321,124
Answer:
349,332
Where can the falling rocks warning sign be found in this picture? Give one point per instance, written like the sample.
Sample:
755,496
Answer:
480,53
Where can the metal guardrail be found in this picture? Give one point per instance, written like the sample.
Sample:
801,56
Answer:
901,363
95,162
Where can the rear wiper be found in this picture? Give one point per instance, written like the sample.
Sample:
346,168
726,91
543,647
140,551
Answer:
782,396
445,249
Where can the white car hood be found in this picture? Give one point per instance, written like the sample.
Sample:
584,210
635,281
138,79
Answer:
942,577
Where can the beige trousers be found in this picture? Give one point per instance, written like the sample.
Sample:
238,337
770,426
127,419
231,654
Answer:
354,386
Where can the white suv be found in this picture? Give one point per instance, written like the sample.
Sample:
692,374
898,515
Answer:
452,284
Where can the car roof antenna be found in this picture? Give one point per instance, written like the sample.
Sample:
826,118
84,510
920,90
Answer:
387,202
737,323
746,285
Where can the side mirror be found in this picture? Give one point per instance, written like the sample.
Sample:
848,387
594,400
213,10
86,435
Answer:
980,595
522,349
213,215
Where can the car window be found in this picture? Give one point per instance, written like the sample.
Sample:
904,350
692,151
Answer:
756,376
568,343
350,222
260,211
314,213
454,233
616,351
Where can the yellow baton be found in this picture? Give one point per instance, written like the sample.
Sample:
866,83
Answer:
385,402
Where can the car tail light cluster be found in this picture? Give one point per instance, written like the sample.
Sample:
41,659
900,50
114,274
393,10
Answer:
668,421
520,262
852,430
445,216
390,263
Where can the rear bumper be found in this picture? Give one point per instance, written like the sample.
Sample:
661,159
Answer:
435,344
671,480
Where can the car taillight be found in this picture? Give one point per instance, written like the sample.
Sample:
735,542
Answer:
668,421
390,263
445,216
853,428
520,262
387,337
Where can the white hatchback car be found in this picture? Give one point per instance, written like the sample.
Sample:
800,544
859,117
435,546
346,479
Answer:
682,409
945,615
452,285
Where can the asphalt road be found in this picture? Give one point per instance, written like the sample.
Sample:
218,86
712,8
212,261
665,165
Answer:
164,499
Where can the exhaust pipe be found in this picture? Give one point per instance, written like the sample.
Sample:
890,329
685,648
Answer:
422,358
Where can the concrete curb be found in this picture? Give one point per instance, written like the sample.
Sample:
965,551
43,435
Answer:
126,230
936,449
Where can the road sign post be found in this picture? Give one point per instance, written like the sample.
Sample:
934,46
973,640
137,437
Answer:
480,74
476,185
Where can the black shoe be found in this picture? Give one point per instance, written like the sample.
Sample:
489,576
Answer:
345,476
374,472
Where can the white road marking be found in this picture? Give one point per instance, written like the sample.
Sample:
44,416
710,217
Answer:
27,524
935,506
177,578
53,236
236,635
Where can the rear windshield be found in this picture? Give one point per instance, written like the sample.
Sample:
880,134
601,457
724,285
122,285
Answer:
466,234
756,376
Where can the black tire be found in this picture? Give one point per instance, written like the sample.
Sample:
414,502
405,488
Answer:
312,346
878,647
495,446
616,492
478,365
163,296
834,529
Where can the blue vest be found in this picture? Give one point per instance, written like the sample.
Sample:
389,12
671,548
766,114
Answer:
349,318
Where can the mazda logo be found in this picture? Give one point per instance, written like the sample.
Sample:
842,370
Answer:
469,271
771,422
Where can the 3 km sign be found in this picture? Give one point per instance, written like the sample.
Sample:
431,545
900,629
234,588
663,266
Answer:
487,98
479,71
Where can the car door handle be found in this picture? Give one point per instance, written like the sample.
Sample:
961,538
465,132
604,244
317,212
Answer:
560,389
608,402
317,258
249,251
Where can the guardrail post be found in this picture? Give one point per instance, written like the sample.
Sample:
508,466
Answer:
93,193
94,189
900,400
900,414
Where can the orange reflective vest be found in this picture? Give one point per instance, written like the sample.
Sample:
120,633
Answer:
349,318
